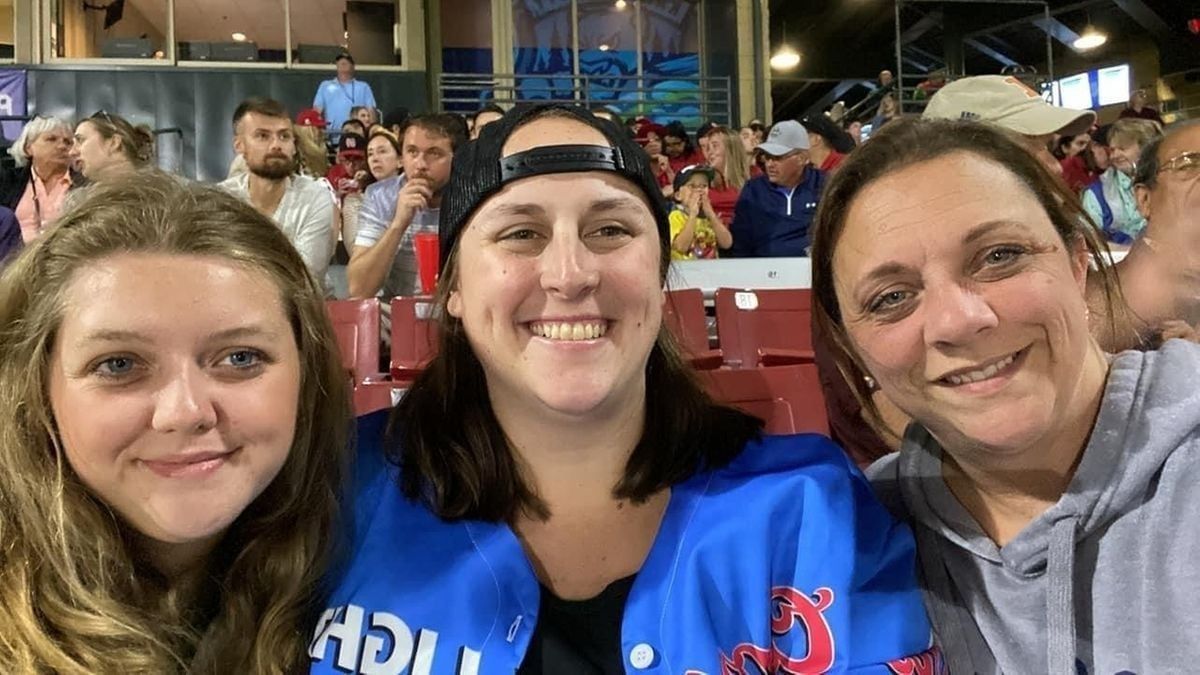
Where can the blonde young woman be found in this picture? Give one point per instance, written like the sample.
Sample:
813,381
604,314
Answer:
725,153
170,442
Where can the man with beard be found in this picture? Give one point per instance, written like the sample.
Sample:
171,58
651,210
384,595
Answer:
301,206
397,208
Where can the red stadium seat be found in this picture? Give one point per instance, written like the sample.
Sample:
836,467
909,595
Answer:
356,324
684,317
769,327
787,398
414,337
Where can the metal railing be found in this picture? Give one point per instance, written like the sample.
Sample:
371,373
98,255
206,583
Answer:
696,98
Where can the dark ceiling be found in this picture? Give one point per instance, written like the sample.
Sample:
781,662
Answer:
847,41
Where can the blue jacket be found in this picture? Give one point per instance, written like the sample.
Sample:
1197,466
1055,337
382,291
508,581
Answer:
770,222
783,559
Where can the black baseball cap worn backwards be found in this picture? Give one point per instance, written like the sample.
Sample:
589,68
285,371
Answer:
480,171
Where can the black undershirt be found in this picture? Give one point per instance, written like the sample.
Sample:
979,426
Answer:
579,636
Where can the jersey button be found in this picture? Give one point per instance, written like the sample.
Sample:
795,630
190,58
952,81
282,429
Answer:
641,656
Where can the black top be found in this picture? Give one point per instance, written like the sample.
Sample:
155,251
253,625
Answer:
582,637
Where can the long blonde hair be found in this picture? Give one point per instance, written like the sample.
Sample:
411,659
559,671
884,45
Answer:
311,149
737,162
75,594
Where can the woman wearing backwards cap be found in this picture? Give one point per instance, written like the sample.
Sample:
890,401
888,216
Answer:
556,495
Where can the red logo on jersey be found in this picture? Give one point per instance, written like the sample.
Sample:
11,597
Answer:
791,607
926,663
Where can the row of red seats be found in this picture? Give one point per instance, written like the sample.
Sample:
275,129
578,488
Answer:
762,362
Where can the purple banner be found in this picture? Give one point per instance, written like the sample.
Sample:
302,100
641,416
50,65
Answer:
12,102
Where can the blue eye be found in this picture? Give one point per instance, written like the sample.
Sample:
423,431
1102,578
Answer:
115,366
888,300
243,358
1003,254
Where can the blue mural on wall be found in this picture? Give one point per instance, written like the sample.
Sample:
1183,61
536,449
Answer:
667,89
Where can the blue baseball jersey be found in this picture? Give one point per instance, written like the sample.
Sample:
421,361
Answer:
780,562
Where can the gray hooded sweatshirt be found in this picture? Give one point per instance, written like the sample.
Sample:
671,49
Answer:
1107,581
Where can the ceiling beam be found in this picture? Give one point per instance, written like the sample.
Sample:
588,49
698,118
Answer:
921,27
1146,17
834,95
1040,16
1057,30
988,51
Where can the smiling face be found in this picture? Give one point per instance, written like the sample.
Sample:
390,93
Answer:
558,284
175,401
965,305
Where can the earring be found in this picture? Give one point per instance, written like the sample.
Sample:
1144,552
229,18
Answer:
870,382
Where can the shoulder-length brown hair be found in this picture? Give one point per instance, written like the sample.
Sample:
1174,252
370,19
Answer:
76,596
455,456
903,143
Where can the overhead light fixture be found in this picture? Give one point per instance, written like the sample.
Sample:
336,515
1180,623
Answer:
785,58
1090,39
621,4
604,48
239,37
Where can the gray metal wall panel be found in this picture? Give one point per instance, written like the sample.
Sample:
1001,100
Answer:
199,102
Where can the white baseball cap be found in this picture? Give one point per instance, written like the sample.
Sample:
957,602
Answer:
1007,102
786,136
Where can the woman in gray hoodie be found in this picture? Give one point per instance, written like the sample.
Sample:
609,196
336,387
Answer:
1054,489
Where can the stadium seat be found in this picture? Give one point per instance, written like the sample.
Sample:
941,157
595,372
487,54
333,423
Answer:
787,398
769,327
684,317
414,337
356,325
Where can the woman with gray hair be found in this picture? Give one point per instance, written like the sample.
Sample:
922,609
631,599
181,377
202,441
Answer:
35,190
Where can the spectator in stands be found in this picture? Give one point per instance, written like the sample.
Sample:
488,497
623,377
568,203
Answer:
366,115
313,161
1137,109
350,172
299,205
1067,146
173,429
723,152
483,117
775,210
1008,103
35,190
649,135
10,235
828,143
678,147
931,85
1085,168
1160,276
886,79
888,111
383,260
697,232
395,120
336,96
353,126
557,449
383,162
1042,475
854,129
752,135
107,146
1110,201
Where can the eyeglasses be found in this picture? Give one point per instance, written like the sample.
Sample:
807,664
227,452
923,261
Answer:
1186,163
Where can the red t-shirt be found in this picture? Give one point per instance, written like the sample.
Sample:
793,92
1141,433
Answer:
833,161
678,163
723,202
1076,174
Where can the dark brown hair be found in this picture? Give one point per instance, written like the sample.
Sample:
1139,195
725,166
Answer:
268,107
455,456
901,144
448,125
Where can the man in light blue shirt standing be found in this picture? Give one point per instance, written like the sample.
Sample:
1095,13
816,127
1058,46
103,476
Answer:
336,96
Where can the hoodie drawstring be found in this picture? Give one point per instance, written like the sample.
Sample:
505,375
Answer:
1060,599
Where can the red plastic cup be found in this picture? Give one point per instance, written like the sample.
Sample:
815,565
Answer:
426,246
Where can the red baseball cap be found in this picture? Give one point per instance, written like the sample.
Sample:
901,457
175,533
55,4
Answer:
310,117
